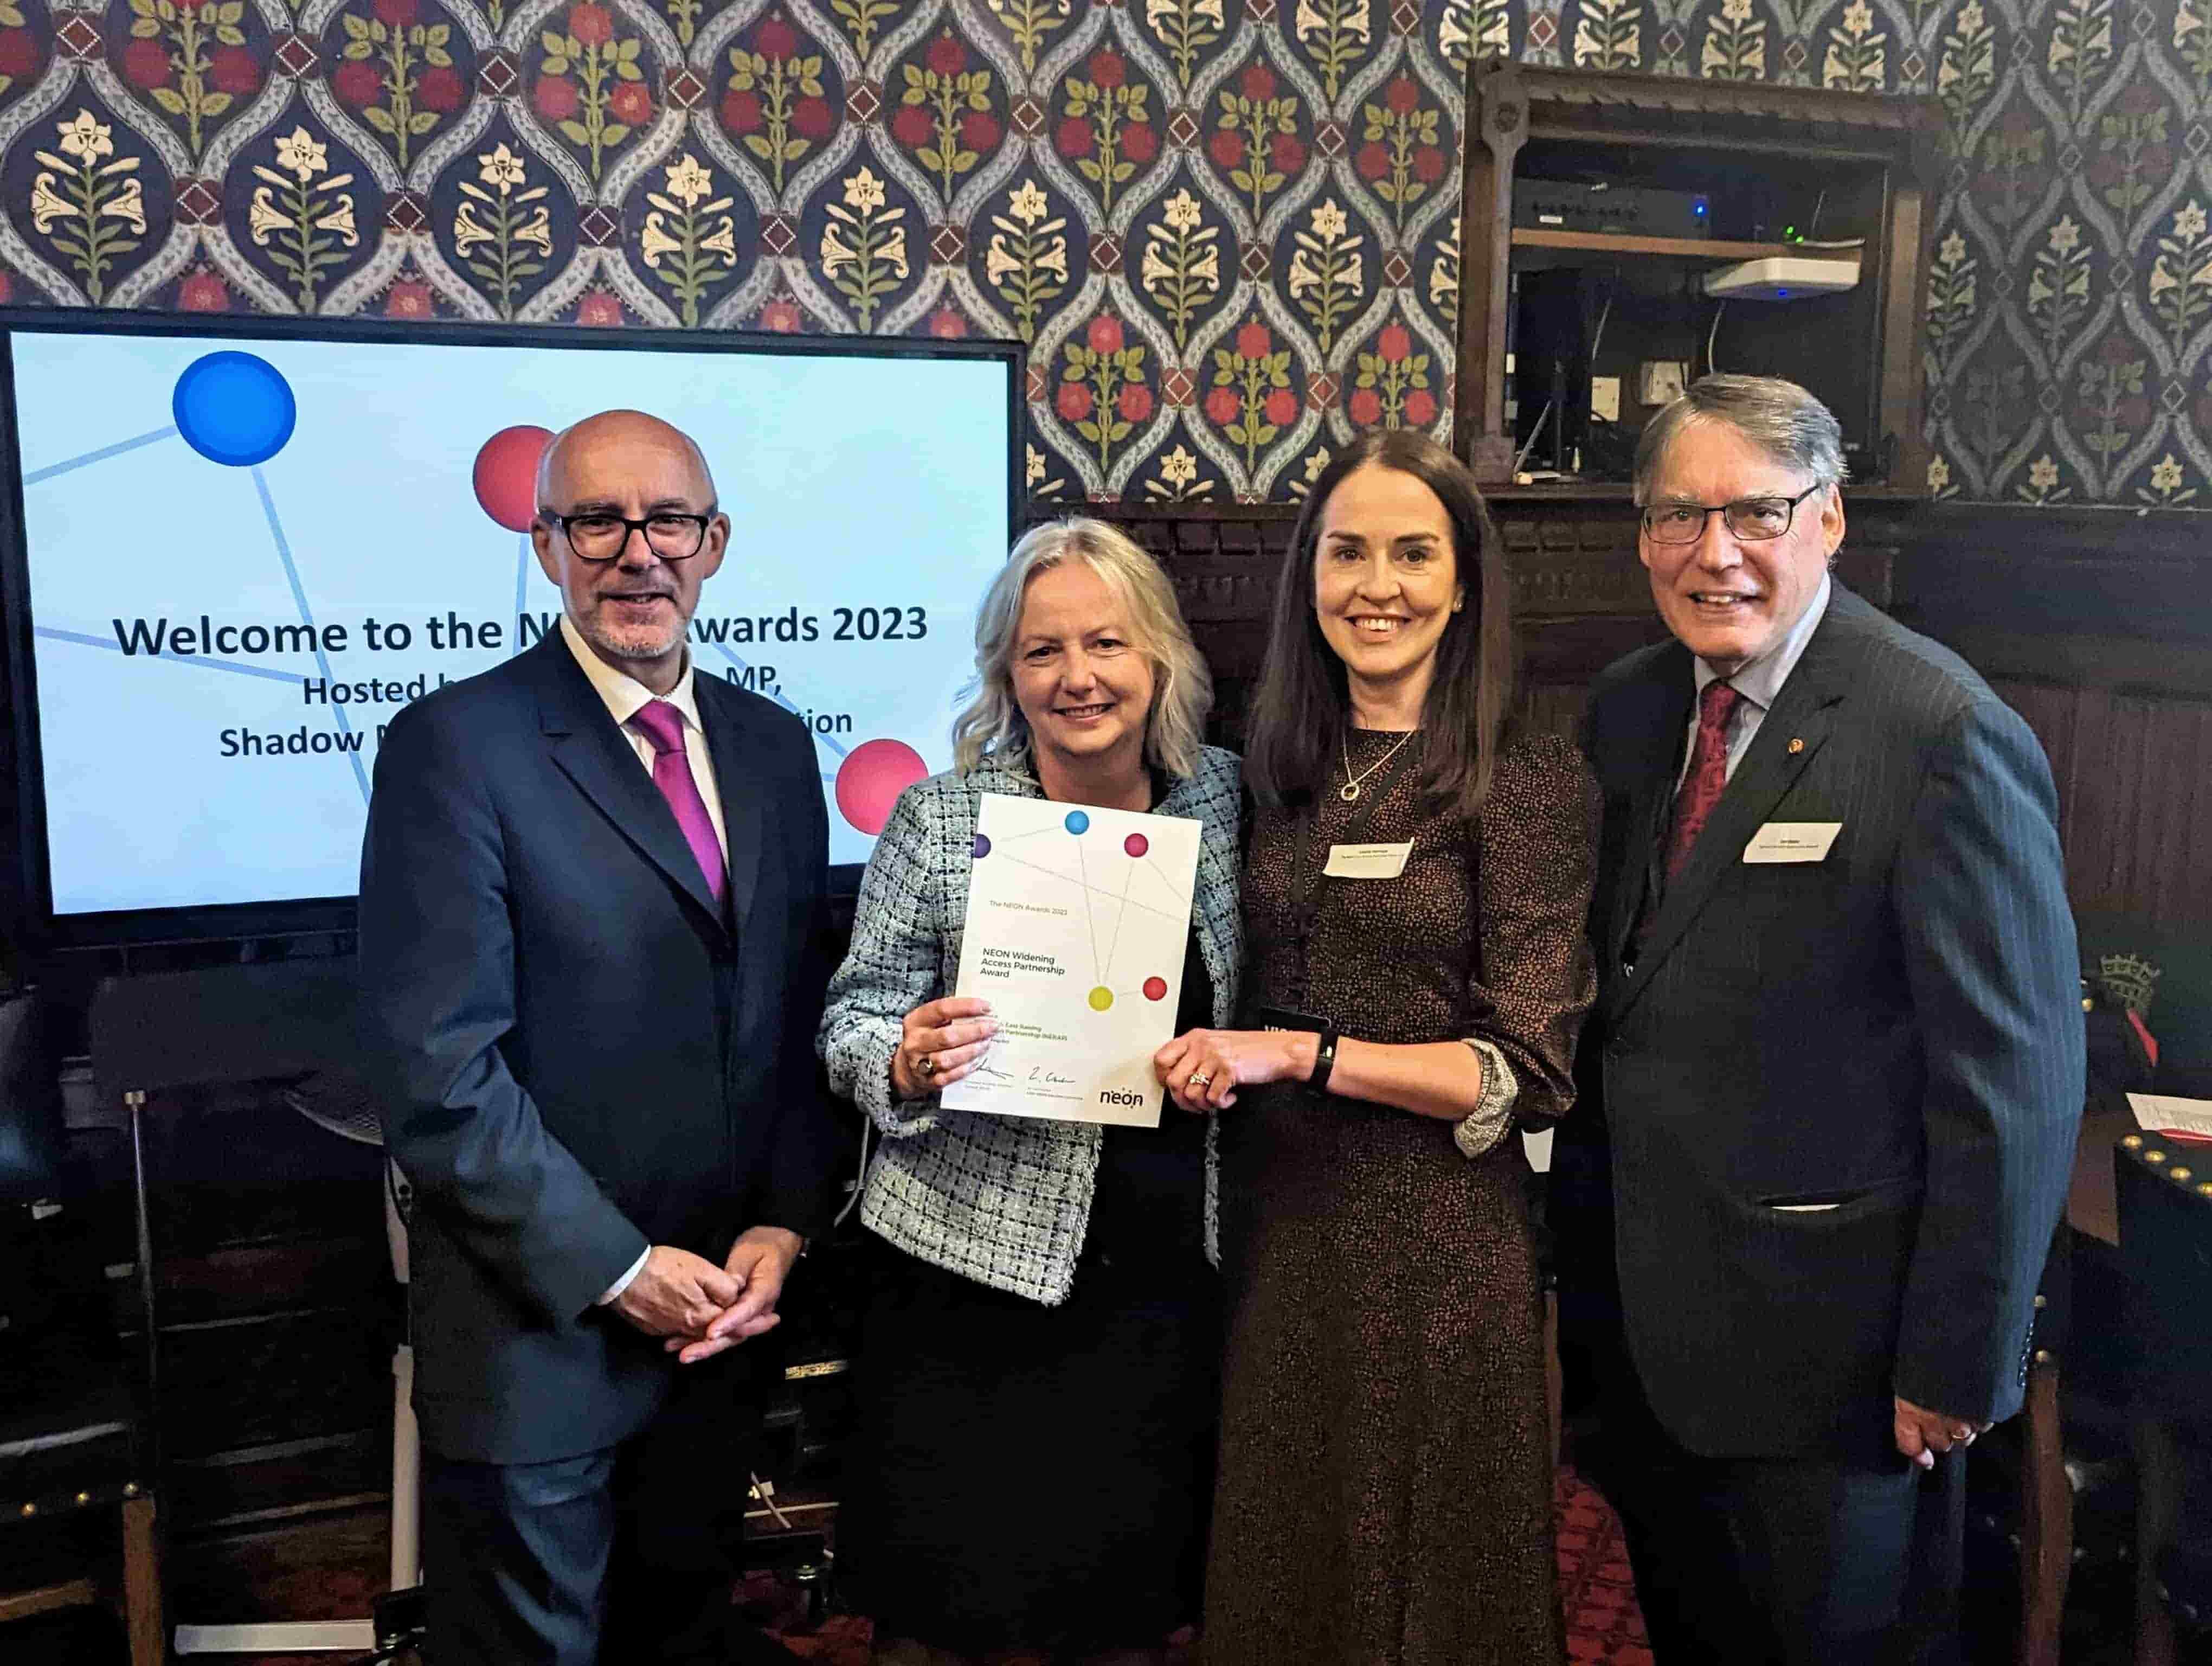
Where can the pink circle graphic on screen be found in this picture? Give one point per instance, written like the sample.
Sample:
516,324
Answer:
1156,988
506,475
870,779
1136,844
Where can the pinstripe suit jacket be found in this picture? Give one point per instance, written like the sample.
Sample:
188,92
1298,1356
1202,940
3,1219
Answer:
1895,1031
1001,1199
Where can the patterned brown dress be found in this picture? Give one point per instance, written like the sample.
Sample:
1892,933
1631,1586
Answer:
1385,1486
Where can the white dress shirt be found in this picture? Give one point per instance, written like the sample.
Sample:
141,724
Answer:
626,696
1758,682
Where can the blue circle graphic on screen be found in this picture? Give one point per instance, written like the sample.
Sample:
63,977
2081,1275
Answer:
1077,822
234,409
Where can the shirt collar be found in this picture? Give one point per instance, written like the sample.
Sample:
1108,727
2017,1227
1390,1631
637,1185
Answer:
1761,679
624,694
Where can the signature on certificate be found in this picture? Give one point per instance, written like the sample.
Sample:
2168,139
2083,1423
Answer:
1050,1078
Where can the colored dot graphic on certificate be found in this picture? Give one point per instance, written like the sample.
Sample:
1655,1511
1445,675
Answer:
1136,850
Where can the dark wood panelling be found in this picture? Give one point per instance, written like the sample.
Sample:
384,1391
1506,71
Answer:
2096,625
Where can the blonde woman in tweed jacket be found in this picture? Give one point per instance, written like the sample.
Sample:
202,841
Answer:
1038,1369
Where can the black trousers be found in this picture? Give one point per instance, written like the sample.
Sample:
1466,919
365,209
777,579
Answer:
1844,1558
624,1554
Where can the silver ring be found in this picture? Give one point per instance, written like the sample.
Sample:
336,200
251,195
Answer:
926,1065
1964,1435
1199,1079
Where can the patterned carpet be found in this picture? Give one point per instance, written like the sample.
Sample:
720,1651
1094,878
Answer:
1603,1627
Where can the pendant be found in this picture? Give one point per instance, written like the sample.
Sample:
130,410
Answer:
1349,791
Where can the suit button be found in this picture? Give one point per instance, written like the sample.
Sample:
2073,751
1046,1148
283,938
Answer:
1627,967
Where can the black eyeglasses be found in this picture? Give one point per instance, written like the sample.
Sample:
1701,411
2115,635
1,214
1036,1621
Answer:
1753,519
597,535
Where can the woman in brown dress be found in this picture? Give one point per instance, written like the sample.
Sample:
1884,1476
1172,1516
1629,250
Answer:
1414,895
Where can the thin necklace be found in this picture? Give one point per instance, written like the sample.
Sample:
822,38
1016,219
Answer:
1349,791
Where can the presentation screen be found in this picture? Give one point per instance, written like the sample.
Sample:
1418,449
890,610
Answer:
238,550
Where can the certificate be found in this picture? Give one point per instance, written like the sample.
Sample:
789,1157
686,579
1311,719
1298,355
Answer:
1077,920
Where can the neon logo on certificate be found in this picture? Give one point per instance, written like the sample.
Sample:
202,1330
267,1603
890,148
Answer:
1078,922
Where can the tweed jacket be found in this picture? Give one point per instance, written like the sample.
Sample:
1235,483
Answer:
1001,1199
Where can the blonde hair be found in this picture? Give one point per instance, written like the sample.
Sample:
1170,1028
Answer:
992,728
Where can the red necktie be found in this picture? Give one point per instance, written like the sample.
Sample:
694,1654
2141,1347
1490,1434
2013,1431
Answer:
663,725
1707,778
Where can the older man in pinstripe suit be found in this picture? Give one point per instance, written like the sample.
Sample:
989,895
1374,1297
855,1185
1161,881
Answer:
1832,1082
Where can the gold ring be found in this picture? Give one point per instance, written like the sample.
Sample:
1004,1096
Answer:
926,1065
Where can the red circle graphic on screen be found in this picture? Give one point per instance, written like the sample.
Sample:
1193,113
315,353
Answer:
1136,844
870,779
506,475
1156,988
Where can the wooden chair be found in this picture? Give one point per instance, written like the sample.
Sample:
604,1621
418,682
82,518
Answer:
71,1460
2164,1193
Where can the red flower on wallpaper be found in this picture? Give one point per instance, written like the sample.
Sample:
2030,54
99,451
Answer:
1108,69
396,14
1135,404
1428,164
356,82
1252,402
1073,138
146,64
1281,407
1223,406
19,53
554,98
1402,96
1372,162
1226,147
979,131
1139,143
1288,152
591,25
1420,407
6,286
630,102
408,299
1074,402
440,89
235,71
813,119
776,40
1104,335
947,325
1253,341
203,292
912,126
947,56
1394,342
1257,83
1365,407
599,309
741,110
782,316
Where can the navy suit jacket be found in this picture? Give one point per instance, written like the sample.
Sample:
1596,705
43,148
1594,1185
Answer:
577,1052
1895,1031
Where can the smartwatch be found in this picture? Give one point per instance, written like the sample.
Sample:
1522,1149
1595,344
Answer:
1325,1033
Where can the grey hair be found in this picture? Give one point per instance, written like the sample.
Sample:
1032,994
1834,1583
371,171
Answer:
992,728
1780,418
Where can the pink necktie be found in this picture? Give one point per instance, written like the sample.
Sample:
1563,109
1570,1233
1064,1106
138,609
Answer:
1707,778
663,725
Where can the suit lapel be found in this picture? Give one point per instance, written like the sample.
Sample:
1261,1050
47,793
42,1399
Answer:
1659,748
590,750
738,787
1790,737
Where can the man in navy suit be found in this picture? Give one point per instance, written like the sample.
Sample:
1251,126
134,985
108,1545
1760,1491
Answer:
1832,1085
590,960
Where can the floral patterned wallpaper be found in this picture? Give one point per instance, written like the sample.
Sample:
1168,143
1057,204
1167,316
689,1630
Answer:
1226,227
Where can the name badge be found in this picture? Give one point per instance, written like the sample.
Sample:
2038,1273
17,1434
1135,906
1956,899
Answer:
1367,861
1792,842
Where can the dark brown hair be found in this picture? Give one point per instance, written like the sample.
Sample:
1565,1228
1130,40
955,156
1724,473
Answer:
1302,703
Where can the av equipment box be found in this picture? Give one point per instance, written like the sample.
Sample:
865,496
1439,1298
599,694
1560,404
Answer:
1587,205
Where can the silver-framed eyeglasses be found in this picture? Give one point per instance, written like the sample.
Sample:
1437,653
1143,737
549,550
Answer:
1753,519
601,535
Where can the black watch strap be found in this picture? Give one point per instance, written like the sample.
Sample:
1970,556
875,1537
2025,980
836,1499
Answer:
1324,1060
